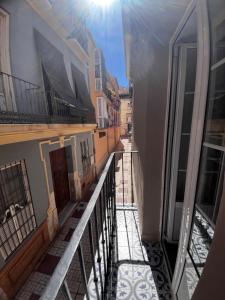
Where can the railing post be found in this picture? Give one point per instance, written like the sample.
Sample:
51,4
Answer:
115,215
123,177
105,220
104,249
66,291
83,271
98,251
93,258
132,191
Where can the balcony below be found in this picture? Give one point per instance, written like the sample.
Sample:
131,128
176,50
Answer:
22,102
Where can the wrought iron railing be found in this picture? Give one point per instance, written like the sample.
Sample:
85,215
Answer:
24,102
99,223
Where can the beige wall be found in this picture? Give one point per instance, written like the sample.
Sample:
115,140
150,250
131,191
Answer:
148,136
105,145
111,138
125,112
101,150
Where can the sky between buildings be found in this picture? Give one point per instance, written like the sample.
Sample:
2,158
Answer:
105,23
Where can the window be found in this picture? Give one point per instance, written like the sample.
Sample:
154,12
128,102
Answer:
210,185
102,134
102,115
85,156
17,218
97,71
98,84
97,57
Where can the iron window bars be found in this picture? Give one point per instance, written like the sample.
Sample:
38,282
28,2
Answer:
17,219
85,156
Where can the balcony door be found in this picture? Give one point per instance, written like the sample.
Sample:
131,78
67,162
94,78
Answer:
7,98
180,123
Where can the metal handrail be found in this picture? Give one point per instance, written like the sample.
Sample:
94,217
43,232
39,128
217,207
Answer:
26,102
63,266
102,200
25,81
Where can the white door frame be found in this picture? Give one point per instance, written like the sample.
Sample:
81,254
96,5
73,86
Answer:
5,65
179,99
198,116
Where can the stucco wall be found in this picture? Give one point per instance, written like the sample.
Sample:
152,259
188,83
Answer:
111,138
150,95
105,145
101,150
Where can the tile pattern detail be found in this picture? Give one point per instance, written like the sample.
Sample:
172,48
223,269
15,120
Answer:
139,271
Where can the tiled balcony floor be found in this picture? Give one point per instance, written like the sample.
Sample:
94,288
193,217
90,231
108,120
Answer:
140,271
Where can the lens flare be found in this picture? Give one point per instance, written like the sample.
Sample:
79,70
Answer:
102,3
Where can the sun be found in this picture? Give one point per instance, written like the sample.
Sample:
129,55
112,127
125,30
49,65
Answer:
102,3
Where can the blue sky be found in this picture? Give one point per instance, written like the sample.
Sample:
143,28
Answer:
106,27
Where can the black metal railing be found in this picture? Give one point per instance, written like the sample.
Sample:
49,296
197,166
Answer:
24,102
98,223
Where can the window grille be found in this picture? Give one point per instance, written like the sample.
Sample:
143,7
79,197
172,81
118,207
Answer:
17,219
85,156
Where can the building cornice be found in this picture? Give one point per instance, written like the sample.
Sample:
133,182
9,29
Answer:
17,133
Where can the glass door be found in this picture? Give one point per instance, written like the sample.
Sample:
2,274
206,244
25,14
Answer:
184,73
210,185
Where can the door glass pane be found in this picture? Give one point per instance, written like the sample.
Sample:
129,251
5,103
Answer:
180,123
210,186
215,129
211,173
208,197
189,94
188,282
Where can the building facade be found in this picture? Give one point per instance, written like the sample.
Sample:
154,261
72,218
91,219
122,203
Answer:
46,133
125,113
105,98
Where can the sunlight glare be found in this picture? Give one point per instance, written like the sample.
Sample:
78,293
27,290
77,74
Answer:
102,3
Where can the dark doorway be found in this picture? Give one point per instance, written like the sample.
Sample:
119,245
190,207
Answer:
60,178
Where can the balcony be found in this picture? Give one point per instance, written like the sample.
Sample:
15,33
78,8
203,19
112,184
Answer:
103,123
99,253
23,102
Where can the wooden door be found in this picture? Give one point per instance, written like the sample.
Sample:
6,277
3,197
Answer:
60,178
